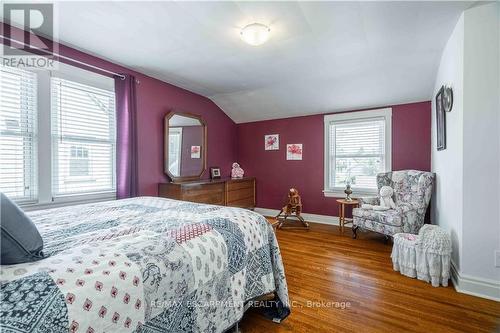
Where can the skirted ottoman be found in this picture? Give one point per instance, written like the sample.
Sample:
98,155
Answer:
425,256
404,258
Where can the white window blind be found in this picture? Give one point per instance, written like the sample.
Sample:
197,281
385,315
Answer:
83,139
18,134
357,152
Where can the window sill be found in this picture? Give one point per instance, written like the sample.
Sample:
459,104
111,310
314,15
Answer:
70,200
356,193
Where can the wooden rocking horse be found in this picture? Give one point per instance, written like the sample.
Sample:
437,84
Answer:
292,209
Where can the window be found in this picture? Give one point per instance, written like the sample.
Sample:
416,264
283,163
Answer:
83,138
79,162
18,134
57,136
357,147
174,150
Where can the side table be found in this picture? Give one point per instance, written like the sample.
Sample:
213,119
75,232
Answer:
342,204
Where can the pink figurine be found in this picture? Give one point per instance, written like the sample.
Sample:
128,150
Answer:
237,172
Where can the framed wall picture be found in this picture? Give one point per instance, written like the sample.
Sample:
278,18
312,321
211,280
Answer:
440,121
294,152
195,151
215,172
272,142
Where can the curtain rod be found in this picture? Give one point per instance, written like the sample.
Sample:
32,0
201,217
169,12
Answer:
64,57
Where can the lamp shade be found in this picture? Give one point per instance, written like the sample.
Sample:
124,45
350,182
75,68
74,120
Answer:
255,34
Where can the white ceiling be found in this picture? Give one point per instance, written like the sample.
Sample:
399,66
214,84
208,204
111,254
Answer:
322,56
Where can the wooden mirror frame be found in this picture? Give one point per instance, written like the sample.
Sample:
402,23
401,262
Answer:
165,146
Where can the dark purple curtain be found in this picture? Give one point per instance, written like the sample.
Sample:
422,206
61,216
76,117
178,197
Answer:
127,183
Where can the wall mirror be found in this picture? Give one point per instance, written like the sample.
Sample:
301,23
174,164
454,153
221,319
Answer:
185,145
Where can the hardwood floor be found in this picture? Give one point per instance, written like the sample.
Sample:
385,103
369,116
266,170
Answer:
322,265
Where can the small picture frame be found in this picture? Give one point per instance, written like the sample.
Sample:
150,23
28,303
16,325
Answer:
272,142
215,173
294,152
195,151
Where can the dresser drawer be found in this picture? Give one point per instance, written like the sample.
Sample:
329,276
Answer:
242,203
240,193
206,193
239,184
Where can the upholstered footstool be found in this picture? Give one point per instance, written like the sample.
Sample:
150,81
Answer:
433,255
425,256
404,258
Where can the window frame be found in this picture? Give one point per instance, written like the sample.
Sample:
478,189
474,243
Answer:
54,79
43,173
385,113
30,141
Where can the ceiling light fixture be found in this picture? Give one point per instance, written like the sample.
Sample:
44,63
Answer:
255,34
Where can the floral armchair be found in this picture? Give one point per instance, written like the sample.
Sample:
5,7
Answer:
412,192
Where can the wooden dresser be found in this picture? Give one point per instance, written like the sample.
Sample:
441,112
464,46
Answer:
224,192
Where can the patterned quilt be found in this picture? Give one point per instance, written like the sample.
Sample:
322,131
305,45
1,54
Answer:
144,265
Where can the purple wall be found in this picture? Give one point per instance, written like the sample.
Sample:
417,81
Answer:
155,99
411,149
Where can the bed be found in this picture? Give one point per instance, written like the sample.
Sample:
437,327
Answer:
145,264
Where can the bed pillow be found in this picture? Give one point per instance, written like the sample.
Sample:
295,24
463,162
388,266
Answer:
20,239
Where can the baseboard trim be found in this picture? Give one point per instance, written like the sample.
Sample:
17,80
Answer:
475,286
323,219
